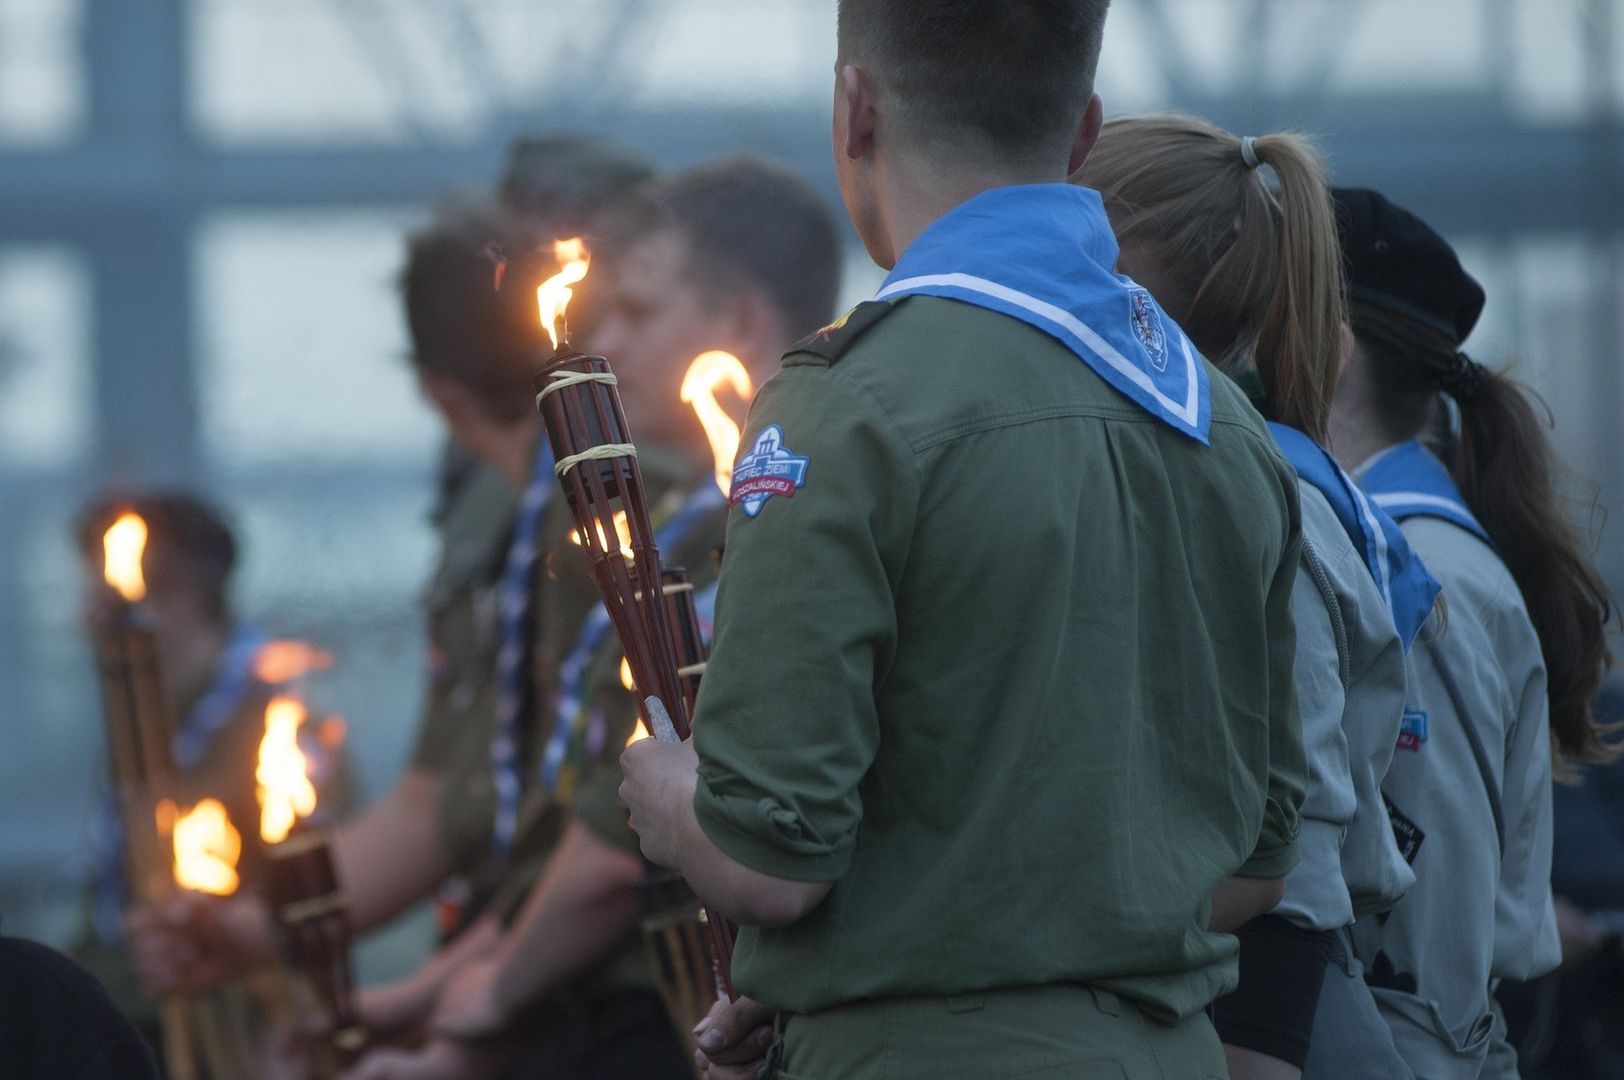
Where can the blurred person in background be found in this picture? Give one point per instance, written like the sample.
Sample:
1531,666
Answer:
1502,679
1250,267
431,831
1569,1025
207,661
739,255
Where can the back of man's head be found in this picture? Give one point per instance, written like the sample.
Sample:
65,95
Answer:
1010,76
567,179
469,290
189,544
753,223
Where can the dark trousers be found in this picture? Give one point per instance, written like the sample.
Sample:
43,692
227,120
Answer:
624,1035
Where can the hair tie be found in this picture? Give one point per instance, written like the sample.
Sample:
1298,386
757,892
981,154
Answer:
1464,379
1249,152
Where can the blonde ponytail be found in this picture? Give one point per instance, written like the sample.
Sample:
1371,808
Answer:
1252,274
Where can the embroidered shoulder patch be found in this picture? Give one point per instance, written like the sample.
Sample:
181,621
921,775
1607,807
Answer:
1412,730
834,340
1146,319
768,469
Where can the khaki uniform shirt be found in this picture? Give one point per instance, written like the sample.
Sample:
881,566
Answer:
1011,669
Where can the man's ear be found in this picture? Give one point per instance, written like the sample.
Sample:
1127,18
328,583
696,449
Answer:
1088,134
857,100
759,333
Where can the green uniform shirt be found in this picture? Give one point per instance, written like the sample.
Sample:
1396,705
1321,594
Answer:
475,523
1012,669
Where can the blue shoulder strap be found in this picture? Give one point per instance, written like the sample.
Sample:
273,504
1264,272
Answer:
1403,580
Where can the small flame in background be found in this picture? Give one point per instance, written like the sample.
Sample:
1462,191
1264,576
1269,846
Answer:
639,733
123,544
623,532
282,662
707,372
553,295
285,791
207,846
626,675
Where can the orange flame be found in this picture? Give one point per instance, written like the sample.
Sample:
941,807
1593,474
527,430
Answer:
554,295
707,372
623,531
639,733
207,847
626,675
285,791
281,662
123,545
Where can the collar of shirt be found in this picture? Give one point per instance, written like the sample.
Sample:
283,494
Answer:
1408,589
1044,254
1408,481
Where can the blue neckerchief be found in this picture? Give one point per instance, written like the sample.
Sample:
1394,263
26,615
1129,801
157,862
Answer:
1407,588
213,711
1408,481
513,611
1044,254
572,673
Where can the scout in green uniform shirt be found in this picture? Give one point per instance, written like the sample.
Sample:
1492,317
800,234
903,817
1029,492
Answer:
1000,705
703,261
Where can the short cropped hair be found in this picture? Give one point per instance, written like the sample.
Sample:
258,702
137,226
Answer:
749,223
189,543
469,291
567,179
1012,75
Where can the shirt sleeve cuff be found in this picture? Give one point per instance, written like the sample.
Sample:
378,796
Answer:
763,836
1271,859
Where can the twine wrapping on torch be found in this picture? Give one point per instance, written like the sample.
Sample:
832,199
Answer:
558,380
596,453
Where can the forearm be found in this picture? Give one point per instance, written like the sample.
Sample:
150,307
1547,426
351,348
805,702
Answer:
744,895
583,907
482,938
390,856
1238,900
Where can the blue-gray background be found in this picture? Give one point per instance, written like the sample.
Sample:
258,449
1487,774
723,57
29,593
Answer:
201,204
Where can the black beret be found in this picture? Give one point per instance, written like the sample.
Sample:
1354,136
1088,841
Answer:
1399,262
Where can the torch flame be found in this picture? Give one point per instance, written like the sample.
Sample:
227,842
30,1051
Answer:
554,294
623,532
123,545
707,372
639,733
207,847
279,662
285,791
626,675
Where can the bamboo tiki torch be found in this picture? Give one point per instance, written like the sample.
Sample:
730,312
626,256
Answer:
140,728
596,463
301,884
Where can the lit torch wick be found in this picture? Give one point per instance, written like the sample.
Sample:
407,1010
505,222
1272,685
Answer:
285,791
707,372
123,545
554,295
207,847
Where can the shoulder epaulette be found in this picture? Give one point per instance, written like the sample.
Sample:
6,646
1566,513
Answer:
836,339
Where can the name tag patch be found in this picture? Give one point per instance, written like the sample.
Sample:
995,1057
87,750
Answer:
1412,730
769,469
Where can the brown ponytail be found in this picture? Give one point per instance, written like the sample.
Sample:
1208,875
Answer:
1252,273
1507,472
